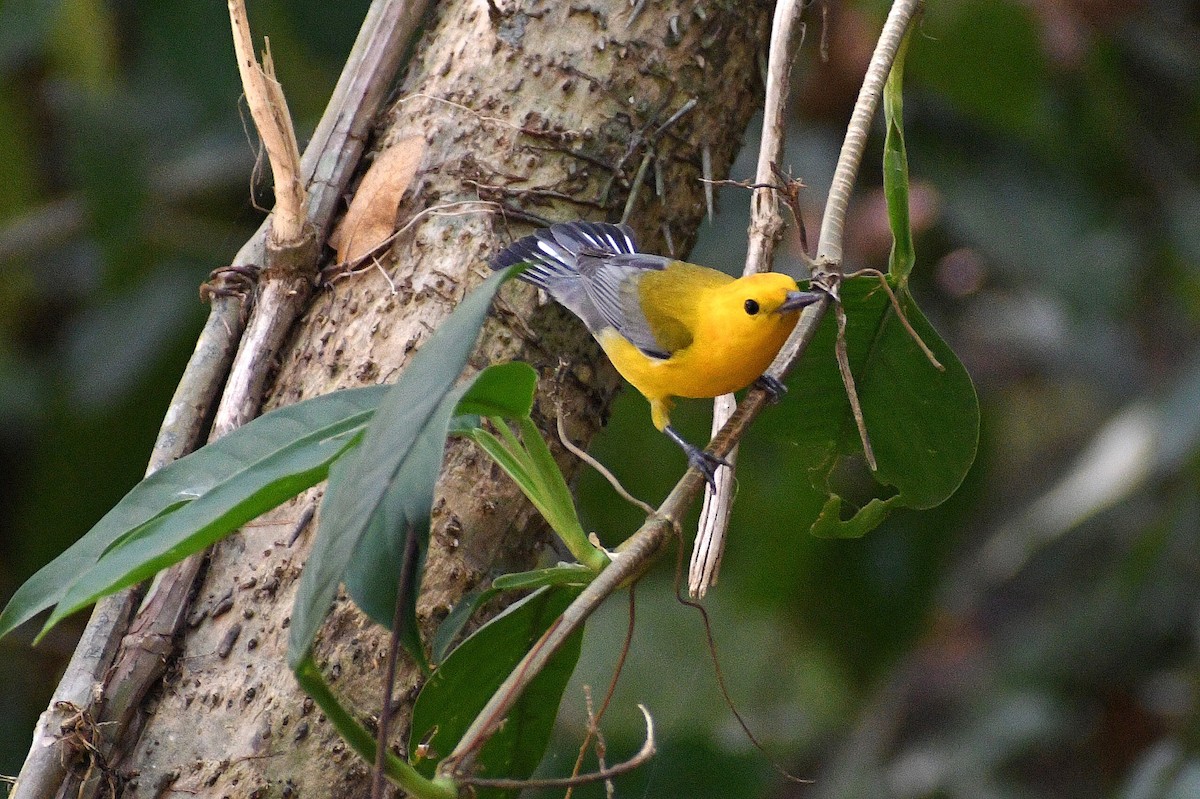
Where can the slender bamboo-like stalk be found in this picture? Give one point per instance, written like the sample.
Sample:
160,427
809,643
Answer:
766,227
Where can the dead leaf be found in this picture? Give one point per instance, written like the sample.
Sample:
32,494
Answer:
371,218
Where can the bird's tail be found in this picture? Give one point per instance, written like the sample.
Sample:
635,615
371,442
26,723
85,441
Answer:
553,253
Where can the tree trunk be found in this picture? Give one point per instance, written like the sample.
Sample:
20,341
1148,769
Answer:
534,106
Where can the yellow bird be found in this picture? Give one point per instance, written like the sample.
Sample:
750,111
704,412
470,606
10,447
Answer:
672,329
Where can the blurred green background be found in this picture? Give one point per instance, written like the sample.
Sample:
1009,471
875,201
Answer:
1034,637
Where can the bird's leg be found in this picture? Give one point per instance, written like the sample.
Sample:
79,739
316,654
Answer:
704,462
774,388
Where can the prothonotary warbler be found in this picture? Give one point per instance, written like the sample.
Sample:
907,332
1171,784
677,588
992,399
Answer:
672,329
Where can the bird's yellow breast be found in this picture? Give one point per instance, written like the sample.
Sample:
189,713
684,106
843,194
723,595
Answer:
729,347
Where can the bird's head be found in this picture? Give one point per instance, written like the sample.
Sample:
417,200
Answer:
765,297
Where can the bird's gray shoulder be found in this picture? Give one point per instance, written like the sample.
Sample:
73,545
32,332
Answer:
592,269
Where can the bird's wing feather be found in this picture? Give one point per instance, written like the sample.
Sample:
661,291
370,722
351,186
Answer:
612,285
593,269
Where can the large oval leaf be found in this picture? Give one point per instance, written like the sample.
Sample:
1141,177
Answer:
923,423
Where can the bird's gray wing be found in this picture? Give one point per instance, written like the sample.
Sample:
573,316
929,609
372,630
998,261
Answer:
611,282
592,269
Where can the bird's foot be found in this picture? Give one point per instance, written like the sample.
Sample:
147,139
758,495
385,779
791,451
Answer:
704,462
774,388
707,464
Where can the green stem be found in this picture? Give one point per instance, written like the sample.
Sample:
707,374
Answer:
895,169
362,742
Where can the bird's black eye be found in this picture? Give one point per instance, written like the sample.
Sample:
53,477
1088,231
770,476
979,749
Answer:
751,307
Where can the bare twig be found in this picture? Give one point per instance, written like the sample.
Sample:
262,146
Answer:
643,756
920,342
833,223
706,169
709,546
711,639
766,227
599,467
404,585
268,107
843,362
678,115
594,718
327,164
337,143
292,247
742,184
636,189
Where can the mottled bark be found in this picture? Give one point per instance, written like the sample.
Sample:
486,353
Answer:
530,105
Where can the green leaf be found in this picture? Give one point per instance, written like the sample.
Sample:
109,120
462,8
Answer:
170,538
504,389
225,473
396,536
455,621
829,523
527,460
572,574
923,423
895,170
928,420
384,488
468,678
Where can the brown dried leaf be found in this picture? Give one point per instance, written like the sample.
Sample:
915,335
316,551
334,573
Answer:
371,218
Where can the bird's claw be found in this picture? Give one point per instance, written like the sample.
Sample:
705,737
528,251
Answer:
704,462
707,464
774,388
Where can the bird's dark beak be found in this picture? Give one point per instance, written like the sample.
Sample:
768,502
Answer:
798,299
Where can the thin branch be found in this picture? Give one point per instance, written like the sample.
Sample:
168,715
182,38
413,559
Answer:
327,165
595,718
833,223
636,189
403,585
268,107
337,144
920,342
721,684
843,362
678,115
292,247
741,184
708,549
706,169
